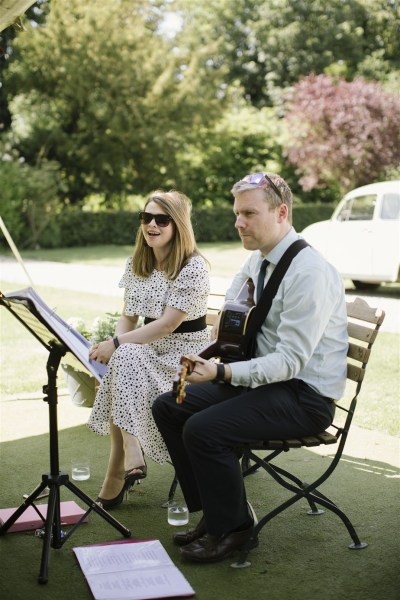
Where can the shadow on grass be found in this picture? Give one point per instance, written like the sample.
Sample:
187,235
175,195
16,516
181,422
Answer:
299,556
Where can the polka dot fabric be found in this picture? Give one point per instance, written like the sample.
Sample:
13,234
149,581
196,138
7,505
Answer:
138,373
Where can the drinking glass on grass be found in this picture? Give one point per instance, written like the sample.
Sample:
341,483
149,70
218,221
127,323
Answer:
178,515
80,469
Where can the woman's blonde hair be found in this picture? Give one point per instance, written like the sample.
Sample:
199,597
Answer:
179,208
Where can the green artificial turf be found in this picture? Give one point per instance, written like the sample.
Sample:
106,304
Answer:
299,556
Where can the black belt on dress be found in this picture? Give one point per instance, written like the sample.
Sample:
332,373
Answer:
186,326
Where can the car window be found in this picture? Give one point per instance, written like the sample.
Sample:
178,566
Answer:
362,208
390,206
344,213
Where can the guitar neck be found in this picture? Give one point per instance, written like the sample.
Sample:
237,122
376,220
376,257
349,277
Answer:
210,351
227,346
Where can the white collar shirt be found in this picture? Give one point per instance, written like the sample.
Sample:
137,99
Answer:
305,333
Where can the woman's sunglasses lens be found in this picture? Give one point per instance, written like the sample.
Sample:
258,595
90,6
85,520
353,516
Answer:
161,220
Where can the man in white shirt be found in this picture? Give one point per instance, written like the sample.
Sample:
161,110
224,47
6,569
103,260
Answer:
286,389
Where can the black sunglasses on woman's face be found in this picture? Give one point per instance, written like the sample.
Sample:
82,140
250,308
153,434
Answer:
161,220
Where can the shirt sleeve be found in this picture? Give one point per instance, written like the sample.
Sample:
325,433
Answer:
302,312
190,290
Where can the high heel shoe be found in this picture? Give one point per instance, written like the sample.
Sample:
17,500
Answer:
117,500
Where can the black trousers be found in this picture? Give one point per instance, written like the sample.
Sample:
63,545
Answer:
204,432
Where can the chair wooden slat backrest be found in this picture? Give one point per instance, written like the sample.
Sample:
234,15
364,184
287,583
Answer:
363,326
211,318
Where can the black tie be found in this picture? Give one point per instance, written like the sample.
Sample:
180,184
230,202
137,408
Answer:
261,278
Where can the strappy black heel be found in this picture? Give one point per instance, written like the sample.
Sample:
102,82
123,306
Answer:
133,477
129,481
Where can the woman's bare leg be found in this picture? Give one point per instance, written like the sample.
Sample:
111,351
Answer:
114,479
125,454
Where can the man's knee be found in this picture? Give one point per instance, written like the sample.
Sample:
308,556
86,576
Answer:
198,431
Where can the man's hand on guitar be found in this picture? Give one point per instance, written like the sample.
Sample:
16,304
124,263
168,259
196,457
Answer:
203,370
195,369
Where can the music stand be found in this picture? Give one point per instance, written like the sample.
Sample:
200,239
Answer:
60,340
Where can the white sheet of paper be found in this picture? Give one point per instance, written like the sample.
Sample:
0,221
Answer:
131,571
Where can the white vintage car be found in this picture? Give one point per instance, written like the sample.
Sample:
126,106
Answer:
362,238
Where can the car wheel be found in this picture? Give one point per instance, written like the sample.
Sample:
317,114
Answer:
365,285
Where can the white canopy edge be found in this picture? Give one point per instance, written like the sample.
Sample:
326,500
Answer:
10,10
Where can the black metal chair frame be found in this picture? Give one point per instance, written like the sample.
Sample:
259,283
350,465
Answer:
360,314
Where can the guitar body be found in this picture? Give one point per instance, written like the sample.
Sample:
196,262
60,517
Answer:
235,316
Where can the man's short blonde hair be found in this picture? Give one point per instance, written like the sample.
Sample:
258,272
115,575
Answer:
270,195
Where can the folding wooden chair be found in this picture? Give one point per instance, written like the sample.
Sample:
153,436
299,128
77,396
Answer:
363,326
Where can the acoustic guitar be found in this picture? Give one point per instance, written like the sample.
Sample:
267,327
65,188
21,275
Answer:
234,320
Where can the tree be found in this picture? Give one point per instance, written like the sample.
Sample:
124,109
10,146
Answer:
98,90
29,200
243,140
267,45
341,133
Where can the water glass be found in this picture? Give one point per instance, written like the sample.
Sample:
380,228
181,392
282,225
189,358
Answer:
80,469
178,515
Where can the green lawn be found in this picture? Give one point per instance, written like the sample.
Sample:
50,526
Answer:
378,407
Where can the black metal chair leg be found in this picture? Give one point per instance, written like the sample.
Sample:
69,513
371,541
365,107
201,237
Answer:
171,493
357,544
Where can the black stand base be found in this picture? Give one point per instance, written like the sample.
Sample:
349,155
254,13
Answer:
52,534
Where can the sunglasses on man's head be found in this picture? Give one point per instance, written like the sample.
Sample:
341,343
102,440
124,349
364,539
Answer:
262,179
161,220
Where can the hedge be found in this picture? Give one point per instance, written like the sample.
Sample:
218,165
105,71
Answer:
79,228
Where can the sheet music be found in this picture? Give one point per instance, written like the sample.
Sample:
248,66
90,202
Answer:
77,344
131,571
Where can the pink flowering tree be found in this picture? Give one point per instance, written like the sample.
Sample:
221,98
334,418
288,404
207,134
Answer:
340,131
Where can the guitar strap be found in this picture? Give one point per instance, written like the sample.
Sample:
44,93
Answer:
263,306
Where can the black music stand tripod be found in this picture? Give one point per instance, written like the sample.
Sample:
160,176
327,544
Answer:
53,536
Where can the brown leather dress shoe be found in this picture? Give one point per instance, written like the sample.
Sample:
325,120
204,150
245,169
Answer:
211,548
187,537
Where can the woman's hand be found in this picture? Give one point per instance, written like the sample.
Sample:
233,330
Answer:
102,352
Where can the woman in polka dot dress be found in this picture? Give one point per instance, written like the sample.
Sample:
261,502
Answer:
167,282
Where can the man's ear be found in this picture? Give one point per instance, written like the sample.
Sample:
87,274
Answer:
283,213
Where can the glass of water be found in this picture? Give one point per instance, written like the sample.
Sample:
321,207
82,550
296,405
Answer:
80,469
178,515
